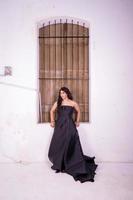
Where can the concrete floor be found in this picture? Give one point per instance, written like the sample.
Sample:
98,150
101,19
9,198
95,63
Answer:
37,181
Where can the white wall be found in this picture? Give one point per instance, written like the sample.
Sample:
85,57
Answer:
108,136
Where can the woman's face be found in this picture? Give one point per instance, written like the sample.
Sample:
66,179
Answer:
63,94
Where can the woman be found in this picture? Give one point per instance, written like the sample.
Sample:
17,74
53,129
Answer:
65,151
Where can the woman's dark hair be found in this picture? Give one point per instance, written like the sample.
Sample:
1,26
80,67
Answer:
69,95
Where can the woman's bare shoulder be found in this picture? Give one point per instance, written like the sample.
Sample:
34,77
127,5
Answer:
55,103
74,103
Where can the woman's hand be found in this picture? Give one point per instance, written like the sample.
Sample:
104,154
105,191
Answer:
52,124
77,124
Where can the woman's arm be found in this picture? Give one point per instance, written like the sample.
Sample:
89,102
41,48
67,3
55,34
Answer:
76,106
52,114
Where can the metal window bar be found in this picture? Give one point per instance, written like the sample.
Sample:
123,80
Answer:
69,36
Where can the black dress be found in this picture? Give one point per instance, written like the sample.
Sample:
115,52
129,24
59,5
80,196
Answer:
65,151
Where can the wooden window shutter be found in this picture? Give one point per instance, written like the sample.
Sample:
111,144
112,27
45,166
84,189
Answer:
63,61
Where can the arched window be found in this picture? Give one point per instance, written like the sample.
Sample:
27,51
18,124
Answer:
63,61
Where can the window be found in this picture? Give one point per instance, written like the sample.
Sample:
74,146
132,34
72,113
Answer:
63,61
